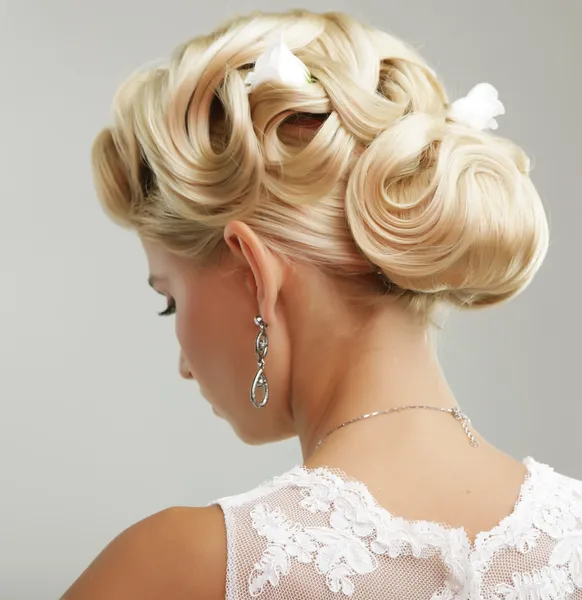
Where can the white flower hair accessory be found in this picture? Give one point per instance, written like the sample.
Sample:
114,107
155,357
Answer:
277,63
478,108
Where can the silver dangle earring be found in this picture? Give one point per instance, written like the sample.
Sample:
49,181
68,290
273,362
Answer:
261,349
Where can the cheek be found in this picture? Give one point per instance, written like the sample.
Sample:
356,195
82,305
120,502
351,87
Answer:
208,328
194,334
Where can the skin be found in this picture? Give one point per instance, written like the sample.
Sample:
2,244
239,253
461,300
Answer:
328,362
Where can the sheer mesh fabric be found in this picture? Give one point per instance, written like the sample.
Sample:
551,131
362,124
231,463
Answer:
319,534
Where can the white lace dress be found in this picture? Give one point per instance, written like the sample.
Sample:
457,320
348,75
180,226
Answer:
318,534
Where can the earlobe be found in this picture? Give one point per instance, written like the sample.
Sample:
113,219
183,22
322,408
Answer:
265,269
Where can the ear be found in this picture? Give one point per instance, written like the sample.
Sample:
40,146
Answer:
266,270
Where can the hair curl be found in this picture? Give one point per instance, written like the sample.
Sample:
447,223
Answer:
360,171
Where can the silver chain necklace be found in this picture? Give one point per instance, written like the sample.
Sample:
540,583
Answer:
457,414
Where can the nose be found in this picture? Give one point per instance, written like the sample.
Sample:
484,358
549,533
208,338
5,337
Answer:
184,369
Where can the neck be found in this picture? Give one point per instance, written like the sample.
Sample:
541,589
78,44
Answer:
343,372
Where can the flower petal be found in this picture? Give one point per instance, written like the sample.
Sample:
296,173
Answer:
278,64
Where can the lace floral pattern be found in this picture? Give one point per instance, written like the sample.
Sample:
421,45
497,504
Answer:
360,534
337,553
549,583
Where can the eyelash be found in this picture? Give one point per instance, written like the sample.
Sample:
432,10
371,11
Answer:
170,310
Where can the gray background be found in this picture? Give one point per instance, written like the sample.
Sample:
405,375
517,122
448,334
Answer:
96,429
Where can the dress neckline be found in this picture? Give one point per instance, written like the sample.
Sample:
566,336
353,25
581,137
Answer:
521,507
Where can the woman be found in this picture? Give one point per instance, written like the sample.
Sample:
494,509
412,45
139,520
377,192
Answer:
307,198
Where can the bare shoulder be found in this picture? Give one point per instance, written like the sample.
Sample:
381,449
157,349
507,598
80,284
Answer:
175,554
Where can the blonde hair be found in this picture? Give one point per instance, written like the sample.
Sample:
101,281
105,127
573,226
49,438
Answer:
360,171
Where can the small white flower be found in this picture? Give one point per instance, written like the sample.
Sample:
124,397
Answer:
319,496
278,64
302,547
351,513
478,108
